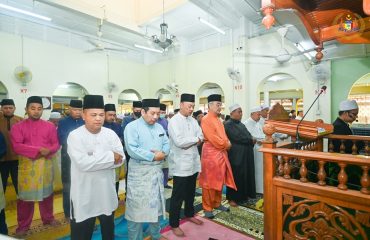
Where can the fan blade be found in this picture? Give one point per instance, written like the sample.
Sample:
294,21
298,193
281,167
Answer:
92,50
92,42
305,51
260,55
116,49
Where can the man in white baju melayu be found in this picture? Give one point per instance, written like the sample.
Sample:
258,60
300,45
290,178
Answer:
95,152
255,128
184,161
147,144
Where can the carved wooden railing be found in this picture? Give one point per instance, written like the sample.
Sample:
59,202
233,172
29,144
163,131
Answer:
300,209
353,139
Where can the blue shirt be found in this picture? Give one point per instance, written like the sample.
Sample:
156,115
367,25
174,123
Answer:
142,138
164,123
116,128
67,125
127,120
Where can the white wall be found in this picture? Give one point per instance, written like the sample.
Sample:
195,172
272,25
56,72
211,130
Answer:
53,65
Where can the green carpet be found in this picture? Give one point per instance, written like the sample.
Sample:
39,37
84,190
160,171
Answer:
242,219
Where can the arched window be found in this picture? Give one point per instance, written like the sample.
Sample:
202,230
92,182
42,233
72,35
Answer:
64,93
165,97
284,89
360,92
125,100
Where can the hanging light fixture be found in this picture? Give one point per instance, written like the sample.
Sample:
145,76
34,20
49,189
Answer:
163,41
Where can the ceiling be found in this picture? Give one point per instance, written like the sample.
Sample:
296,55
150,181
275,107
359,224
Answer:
72,26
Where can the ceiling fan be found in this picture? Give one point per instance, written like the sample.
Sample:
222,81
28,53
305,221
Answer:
283,55
98,44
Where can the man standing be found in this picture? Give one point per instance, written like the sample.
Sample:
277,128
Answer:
255,128
65,127
136,114
198,115
109,122
54,118
95,152
348,111
9,164
185,135
216,169
264,113
164,123
3,226
147,144
241,158
36,142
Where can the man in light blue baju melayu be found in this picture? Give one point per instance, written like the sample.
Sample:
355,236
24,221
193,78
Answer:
147,144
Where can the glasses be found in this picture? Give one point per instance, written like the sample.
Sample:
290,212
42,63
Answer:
352,115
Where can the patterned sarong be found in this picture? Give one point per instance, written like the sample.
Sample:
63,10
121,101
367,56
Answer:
35,178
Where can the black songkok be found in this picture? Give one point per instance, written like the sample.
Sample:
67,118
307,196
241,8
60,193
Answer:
214,98
185,97
163,107
137,104
197,113
93,101
6,101
150,102
75,103
109,107
34,99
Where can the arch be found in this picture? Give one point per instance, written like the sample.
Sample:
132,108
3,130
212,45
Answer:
281,88
3,91
207,89
125,99
64,93
165,97
360,91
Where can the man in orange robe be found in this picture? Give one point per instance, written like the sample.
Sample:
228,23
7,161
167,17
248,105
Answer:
216,169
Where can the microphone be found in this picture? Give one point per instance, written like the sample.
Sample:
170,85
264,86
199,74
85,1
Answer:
298,142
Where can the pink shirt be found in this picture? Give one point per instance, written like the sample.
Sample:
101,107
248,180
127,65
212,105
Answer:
28,136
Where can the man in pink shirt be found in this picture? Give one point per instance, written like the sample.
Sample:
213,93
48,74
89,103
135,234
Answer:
36,142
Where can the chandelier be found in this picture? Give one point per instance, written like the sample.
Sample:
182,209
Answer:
163,41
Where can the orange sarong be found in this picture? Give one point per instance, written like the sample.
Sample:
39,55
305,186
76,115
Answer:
216,169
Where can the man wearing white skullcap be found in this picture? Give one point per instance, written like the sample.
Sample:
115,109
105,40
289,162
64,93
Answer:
255,128
264,111
241,157
348,111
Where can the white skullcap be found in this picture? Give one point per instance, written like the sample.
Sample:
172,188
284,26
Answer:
234,107
348,105
265,106
55,115
255,109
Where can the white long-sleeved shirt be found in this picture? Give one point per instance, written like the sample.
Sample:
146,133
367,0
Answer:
255,128
184,133
93,190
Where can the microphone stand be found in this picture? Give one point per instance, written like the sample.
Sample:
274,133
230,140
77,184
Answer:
298,142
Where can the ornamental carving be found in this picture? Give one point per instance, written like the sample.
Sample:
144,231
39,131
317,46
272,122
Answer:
309,219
